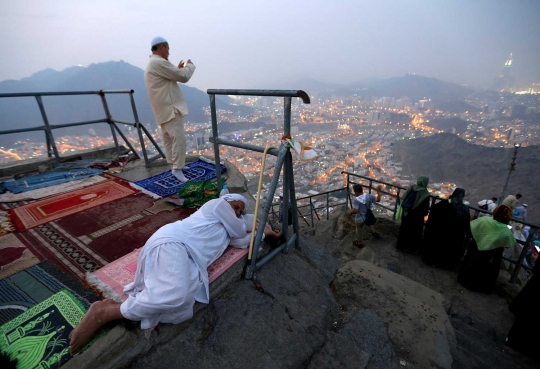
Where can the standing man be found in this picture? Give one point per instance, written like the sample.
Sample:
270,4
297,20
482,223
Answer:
361,203
168,103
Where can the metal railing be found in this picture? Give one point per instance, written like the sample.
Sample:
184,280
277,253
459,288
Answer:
534,228
284,160
525,244
48,127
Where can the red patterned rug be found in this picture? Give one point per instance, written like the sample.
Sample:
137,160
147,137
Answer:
91,239
55,207
111,279
14,256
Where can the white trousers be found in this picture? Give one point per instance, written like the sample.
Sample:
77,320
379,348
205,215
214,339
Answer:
174,141
170,281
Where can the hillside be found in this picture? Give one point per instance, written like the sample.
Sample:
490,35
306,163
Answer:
480,170
23,112
446,124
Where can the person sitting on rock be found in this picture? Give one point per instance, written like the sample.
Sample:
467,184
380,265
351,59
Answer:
361,204
172,269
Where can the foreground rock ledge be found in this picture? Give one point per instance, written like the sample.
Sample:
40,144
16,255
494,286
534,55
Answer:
291,319
414,314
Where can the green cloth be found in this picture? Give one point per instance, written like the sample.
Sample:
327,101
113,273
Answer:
399,213
196,194
39,337
421,191
490,234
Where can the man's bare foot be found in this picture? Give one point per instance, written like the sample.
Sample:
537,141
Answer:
99,314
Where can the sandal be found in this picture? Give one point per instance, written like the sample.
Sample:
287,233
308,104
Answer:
358,243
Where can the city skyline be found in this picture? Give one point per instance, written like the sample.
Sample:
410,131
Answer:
245,45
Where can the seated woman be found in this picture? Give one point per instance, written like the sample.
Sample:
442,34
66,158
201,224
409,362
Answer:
172,269
415,205
446,231
490,236
523,335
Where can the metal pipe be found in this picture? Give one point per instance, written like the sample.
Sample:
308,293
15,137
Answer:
242,145
216,140
286,195
519,263
396,203
250,269
311,211
161,154
510,170
109,120
294,205
48,130
276,93
274,252
67,93
66,125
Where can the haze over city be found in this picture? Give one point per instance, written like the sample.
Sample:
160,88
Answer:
246,44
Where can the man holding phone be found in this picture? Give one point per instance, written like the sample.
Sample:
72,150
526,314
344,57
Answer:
161,78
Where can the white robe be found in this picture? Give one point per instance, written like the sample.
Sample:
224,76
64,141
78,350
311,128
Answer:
172,266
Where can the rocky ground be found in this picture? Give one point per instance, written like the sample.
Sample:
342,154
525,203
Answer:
330,305
480,321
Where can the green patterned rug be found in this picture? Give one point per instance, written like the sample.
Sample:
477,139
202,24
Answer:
40,336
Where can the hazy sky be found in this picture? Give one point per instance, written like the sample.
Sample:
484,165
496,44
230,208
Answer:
253,43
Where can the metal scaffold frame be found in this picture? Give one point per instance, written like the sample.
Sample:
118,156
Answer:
284,161
48,128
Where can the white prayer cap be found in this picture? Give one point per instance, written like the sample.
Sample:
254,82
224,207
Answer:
281,194
525,205
235,197
157,40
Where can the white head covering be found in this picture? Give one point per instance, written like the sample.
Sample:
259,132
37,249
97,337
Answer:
157,40
235,197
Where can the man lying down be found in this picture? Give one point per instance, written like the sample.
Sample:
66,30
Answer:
172,269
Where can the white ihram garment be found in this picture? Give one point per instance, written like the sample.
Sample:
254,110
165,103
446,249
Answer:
172,266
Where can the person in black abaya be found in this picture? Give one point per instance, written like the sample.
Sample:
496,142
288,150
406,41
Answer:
414,207
490,236
524,336
447,229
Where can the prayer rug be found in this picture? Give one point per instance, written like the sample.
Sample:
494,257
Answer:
111,279
51,190
6,225
14,256
86,241
230,256
52,178
33,285
165,184
46,210
196,194
40,336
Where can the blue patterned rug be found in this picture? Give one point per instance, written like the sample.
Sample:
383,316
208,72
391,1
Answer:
165,184
51,178
31,286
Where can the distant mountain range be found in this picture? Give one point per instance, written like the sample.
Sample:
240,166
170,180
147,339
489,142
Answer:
23,112
480,170
412,86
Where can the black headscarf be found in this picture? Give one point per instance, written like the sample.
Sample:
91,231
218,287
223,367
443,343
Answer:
462,210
